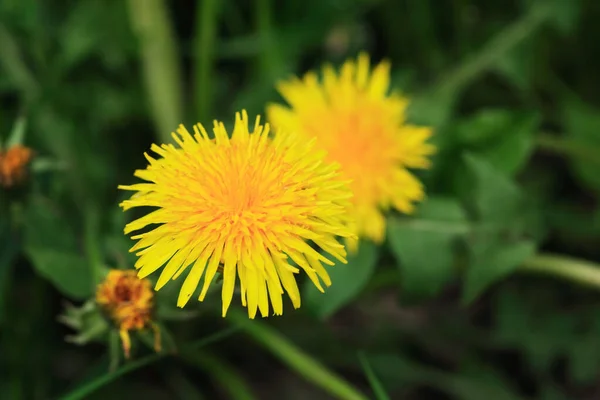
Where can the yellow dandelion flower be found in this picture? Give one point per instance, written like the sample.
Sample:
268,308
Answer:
245,205
363,128
13,165
129,303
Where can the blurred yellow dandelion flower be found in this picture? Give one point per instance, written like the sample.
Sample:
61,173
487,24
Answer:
129,303
243,205
13,165
363,128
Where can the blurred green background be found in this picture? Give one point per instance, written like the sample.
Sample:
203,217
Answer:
482,294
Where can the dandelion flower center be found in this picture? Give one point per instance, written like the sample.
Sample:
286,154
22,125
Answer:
247,206
129,302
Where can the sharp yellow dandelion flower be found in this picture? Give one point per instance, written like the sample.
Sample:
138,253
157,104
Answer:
128,302
363,128
246,206
13,165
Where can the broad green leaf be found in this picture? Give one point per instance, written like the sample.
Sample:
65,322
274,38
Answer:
45,226
347,281
487,124
491,261
582,124
488,192
68,272
512,150
424,245
503,137
433,108
518,64
52,248
444,209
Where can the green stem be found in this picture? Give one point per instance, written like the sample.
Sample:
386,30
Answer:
302,363
568,147
160,64
223,373
84,391
494,49
206,29
577,270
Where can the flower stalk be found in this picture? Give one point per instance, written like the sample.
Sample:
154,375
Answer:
312,370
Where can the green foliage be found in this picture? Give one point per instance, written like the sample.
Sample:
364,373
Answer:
348,281
545,338
504,138
442,307
581,124
425,245
375,383
493,260
500,244
52,249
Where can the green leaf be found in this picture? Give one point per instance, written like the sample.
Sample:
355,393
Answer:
487,124
347,281
433,108
512,150
424,245
52,248
487,191
582,124
68,272
491,261
564,14
518,64
504,138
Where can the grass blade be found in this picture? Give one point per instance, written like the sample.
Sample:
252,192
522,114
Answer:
378,390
